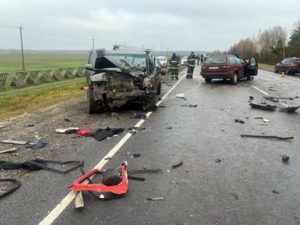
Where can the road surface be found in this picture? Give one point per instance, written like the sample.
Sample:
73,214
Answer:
224,179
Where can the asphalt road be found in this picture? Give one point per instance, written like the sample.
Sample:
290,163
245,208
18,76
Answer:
224,179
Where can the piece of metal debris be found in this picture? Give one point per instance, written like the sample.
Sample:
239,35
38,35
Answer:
156,199
289,109
190,105
276,191
136,155
234,196
38,144
285,158
217,160
239,121
15,142
181,95
177,165
10,150
263,106
266,136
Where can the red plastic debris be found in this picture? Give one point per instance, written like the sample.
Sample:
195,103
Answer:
84,132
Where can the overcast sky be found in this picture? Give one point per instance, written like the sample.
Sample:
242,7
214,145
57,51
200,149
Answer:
162,24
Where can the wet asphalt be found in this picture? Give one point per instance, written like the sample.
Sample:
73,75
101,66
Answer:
224,179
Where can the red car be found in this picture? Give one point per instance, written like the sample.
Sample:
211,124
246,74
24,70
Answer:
228,66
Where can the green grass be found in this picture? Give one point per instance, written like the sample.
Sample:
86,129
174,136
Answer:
17,101
12,62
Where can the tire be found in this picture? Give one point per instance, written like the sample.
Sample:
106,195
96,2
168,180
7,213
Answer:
235,79
92,107
207,80
158,91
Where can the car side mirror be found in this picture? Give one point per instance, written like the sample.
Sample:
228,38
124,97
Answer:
89,67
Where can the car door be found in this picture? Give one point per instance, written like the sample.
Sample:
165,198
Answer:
252,67
241,66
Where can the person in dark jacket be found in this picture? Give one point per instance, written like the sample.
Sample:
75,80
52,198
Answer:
191,61
174,63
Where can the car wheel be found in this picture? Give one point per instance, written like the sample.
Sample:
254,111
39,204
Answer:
289,72
207,80
158,91
235,79
92,107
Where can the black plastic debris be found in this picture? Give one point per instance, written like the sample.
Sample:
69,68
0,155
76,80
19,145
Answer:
38,144
251,98
190,105
275,192
285,158
139,116
266,137
30,125
67,120
177,165
102,134
234,196
169,128
14,185
239,121
136,155
217,160
266,107
39,164
289,109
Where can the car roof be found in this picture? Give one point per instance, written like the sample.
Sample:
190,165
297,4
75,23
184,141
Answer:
122,51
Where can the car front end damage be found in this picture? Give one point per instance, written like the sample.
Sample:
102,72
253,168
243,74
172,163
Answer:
118,85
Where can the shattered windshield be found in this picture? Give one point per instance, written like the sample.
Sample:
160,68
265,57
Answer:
216,59
138,61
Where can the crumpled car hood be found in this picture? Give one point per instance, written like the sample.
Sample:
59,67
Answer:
107,63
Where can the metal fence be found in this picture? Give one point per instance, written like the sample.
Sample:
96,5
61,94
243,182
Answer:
22,79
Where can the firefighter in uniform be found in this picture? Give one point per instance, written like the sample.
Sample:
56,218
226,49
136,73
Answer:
191,60
174,63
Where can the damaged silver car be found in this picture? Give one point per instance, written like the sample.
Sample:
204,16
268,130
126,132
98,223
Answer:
119,77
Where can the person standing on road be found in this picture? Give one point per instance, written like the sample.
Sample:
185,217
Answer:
174,63
191,60
198,59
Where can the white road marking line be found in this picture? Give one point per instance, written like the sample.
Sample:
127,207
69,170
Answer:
55,213
265,93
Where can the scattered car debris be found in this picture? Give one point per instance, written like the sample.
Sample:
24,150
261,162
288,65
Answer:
190,105
14,185
15,142
155,198
181,96
69,130
114,184
239,121
115,115
10,150
218,160
102,134
263,106
285,158
289,109
38,164
30,125
133,130
234,196
271,89
136,155
265,121
251,98
169,128
67,120
162,106
267,137
84,132
177,165
38,144
139,116
276,191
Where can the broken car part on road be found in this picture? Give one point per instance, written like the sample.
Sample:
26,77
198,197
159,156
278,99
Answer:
41,164
14,185
266,136
263,106
15,142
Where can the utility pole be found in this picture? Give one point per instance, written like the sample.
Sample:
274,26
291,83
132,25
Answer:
93,43
22,50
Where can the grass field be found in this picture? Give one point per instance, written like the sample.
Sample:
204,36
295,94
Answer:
15,101
12,62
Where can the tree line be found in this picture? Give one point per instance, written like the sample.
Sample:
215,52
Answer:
270,46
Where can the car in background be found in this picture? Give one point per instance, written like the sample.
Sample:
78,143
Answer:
289,66
183,60
119,77
228,67
162,63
